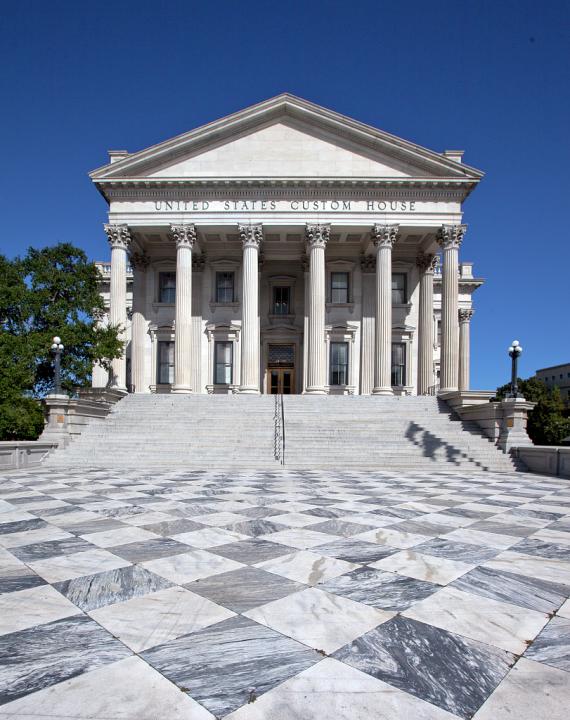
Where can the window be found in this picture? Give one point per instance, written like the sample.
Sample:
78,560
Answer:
398,364
223,361
339,287
399,294
281,301
224,287
165,363
339,363
167,287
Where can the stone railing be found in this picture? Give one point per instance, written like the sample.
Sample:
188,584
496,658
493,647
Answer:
23,453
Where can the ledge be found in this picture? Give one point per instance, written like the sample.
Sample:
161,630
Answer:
23,453
545,459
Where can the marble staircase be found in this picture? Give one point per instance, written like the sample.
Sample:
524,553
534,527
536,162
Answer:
314,432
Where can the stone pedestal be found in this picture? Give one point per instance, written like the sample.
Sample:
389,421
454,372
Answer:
317,237
184,237
450,238
119,239
512,431
251,237
426,265
384,237
56,428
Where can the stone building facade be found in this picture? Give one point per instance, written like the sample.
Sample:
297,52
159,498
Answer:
288,249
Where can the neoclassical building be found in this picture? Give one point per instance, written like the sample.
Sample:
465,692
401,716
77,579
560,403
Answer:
288,249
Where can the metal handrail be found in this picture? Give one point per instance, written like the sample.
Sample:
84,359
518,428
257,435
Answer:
278,432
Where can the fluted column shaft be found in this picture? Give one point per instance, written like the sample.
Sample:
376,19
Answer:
251,237
317,237
464,347
119,239
384,237
139,263
426,265
184,237
450,238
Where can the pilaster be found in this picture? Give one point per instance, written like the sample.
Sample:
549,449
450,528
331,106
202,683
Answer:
139,263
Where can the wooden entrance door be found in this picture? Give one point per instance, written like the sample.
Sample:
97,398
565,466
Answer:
281,381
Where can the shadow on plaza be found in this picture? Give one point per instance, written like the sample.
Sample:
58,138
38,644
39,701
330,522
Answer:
431,445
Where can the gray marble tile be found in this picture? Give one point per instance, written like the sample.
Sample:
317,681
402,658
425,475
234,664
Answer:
53,548
228,664
447,548
384,590
149,549
356,551
41,656
552,645
19,581
93,526
255,527
503,528
423,527
251,551
445,669
94,591
540,548
243,589
257,512
21,526
167,528
341,527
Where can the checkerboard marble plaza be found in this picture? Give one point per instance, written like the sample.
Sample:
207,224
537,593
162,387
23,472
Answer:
284,595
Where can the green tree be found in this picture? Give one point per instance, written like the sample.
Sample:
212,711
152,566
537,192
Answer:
547,424
52,291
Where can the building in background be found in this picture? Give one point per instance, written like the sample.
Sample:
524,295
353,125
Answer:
557,376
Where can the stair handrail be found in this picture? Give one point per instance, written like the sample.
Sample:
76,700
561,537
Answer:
278,424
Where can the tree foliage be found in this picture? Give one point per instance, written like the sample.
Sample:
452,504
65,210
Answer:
547,424
51,291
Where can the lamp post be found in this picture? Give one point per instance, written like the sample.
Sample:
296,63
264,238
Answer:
515,350
56,348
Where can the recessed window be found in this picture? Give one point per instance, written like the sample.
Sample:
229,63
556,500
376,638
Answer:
167,287
281,301
223,363
399,294
398,364
225,287
339,287
165,363
338,364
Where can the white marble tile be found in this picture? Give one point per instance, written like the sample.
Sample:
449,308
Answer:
564,610
424,567
220,519
531,691
370,520
480,537
333,690
295,519
456,521
392,537
316,618
301,538
120,536
30,537
146,518
553,536
557,571
35,606
153,619
14,515
209,537
190,566
490,621
71,566
125,690
307,567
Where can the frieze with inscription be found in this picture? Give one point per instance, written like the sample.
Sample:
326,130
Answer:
260,205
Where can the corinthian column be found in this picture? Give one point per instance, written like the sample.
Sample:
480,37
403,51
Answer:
139,263
426,264
184,237
384,237
119,239
251,237
464,347
317,237
450,238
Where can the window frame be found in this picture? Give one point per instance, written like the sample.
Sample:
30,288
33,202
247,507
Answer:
170,364
346,365
346,289
160,288
217,287
405,299
274,303
401,367
217,364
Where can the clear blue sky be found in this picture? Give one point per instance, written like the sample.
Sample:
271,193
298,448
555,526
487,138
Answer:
491,78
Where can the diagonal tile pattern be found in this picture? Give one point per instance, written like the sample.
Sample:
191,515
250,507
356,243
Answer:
219,594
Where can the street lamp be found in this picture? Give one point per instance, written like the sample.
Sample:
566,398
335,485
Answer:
515,350
56,348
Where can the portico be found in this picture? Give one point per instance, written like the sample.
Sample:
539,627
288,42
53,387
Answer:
288,249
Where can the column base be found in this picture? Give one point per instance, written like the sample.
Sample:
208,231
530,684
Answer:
382,391
314,391
181,389
446,390
248,390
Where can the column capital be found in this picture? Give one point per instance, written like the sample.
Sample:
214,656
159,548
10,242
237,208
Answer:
317,235
183,235
384,236
465,315
426,262
139,261
451,236
119,236
250,235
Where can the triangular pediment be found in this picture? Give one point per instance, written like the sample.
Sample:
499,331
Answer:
285,138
